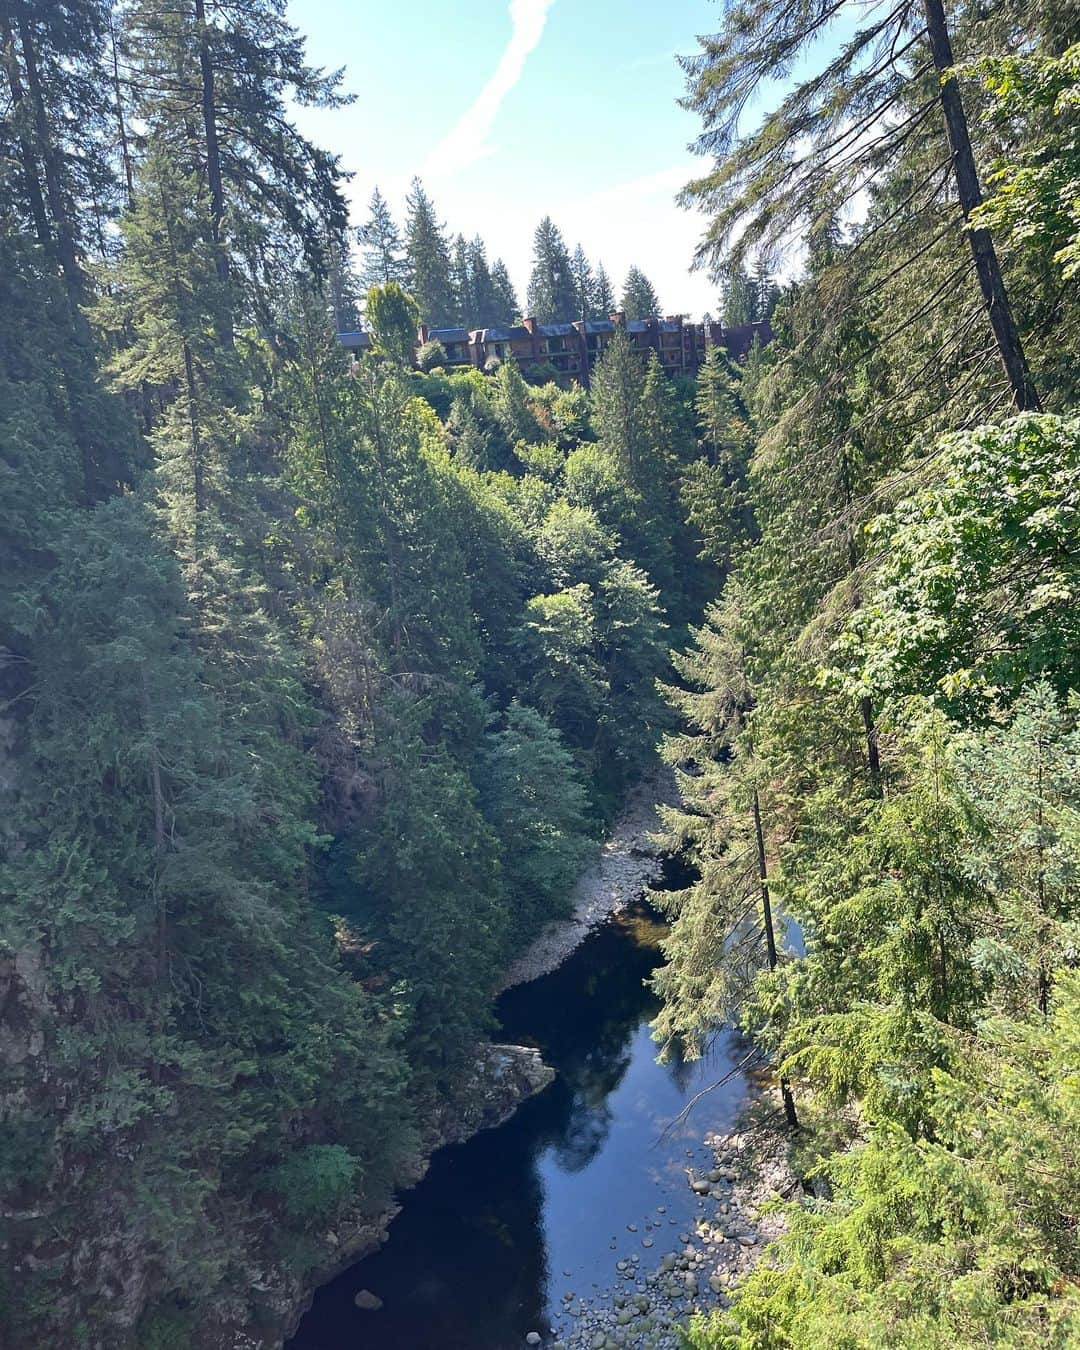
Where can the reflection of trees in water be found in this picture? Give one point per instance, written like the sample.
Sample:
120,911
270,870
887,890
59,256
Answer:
680,1069
591,1046
588,1117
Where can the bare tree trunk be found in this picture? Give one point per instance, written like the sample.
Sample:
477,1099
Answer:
991,282
118,94
213,161
790,1114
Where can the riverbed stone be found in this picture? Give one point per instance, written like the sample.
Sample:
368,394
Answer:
533,1338
367,1301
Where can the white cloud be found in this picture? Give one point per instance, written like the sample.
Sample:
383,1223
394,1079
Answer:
468,141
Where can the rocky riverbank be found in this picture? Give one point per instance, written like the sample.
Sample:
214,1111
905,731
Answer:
701,1262
625,865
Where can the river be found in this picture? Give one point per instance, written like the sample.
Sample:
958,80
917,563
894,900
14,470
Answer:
582,1176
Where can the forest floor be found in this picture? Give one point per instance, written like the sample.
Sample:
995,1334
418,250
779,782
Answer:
626,863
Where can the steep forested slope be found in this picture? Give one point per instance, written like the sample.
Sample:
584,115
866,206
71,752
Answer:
879,713
318,680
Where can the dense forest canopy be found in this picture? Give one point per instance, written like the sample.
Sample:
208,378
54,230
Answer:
878,715
321,679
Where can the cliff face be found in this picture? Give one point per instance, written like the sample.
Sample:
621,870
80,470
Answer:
107,1267
499,1079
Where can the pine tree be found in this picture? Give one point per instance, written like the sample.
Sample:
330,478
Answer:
382,257
507,305
484,293
765,290
428,257
638,297
169,294
617,385
461,278
584,283
551,297
213,84
602,301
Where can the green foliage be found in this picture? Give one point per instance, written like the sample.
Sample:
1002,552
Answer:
531,792
430,354
392,316
427,256
382,257
639,300
977,588
964,1238
314,1183
1037,194
553,296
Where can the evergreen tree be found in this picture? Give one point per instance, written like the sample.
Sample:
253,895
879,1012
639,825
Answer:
766,292
584,283
429,890
617,385
759,181
213,84
638,297
343,288
382,255
428,258
531,792
485,294
510,404
507,305
741,299
551,297
602,301
461,278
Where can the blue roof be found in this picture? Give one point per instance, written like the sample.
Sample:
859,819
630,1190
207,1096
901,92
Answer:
599,326
448,335
637,326
354,339
504,334
555,329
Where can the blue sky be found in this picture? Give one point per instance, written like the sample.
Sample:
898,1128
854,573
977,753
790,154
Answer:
517,108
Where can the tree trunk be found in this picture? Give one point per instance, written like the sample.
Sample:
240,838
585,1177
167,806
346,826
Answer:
991,282
213,160
118,94
872,752
54,188
790,1113
26,150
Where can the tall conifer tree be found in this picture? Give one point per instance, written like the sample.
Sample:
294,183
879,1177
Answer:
552,296
382,254
428,255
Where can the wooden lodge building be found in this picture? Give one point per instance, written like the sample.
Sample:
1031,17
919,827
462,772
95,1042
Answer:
571,350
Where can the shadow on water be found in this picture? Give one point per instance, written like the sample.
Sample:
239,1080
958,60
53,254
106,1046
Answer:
506,1223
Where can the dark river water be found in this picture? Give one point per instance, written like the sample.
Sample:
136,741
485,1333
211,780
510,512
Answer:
505,1224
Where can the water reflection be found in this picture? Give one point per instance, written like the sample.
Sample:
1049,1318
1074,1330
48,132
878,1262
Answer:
502,1226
